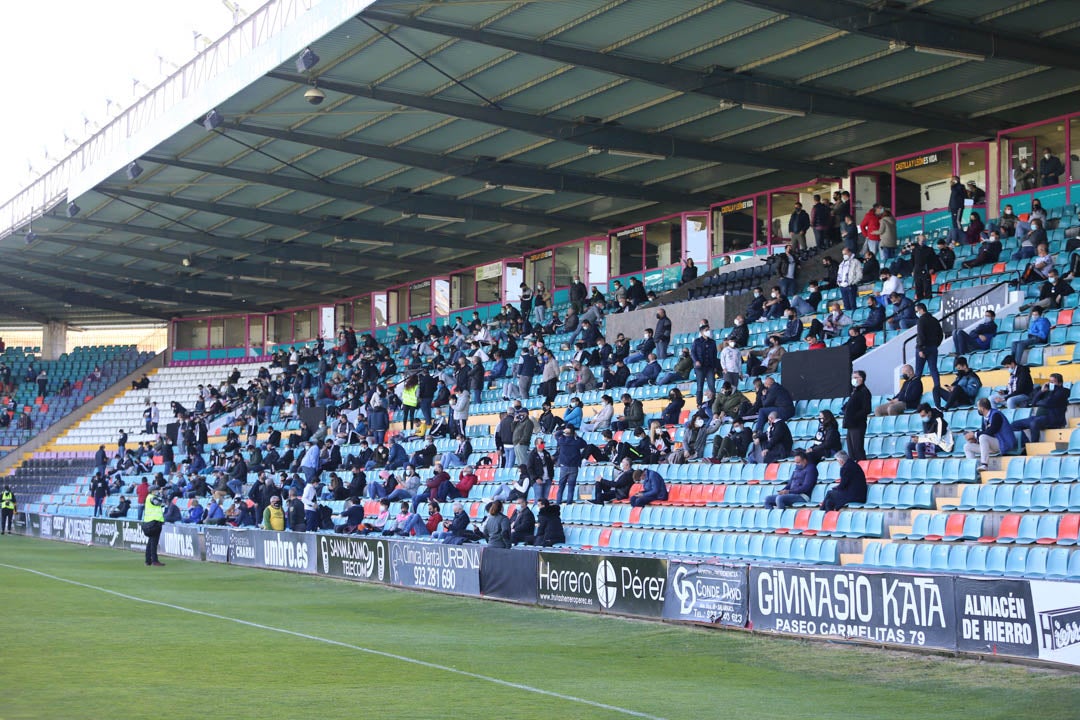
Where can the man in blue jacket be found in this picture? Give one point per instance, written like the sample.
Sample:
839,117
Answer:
652,488
1038,334
648,374
703,353
1050,404
799,487
776,399
569,453
978,338
995,437
644,348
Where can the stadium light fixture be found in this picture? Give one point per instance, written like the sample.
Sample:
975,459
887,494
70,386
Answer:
946,52
525,189
772,109
186,262
212,120
306,60
440,218
215,293
636,154
73,209
134,170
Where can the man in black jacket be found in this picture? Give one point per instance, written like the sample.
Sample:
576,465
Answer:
857,408
852,485
1052,293
928,337
523,524
775,445
662,333
99,489
957,196
617,489
907,399
924,261
1020,388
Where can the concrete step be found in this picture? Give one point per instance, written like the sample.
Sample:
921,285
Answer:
1044,448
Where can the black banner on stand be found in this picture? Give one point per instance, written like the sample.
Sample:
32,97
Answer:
353,558
509,574
996,616
216,541
707,593
602,583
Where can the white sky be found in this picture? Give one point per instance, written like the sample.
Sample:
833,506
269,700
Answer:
64,58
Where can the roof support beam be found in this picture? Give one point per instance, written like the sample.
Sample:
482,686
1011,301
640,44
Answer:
404,201
581,133
333,227
76,297
487,170
928,30
718,83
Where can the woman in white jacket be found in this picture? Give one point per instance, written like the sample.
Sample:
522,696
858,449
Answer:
602,419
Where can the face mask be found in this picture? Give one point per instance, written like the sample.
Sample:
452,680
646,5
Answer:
706,334
699,422
738,323
846,258
731,344
776,295
855,382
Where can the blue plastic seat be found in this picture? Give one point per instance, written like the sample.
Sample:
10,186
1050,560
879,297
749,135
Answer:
1057,564
958,559
1016,563
996,558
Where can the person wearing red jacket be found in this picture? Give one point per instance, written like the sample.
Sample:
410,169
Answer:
871,227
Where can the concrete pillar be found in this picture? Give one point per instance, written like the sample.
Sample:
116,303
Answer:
53,340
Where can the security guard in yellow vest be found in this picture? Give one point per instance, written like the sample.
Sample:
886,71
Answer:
153,521
7,510
273,515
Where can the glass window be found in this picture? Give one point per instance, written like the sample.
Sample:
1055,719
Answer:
442,297
191,335
278,329
234,332
1072,165
341,316
514,275
393,307
697,238
463,290
305,325
921,183
973,168
733,226
663,243
870,186
420,299
626,251
568,261
598,264
217,333
361,314
539,267
761,212
783,204
489,283
255,332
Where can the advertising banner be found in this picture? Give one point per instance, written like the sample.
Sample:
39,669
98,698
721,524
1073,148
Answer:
216,541
996,616
1057,617
706,593
893,608
244,547
27,524
435,566
76,529
182,541
973,313
602,583
509,574
120,534
287,551
353,558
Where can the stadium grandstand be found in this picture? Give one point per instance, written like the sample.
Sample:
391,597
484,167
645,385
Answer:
773,295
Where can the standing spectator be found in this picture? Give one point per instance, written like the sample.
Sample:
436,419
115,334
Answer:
798,224
851,487
7,511
928,339
798,488
848,277
569,453
924,262
787,267
887,236
578,294
142,490
995,437
689,271
311,507
957,196
871,228
460,407
541,469
662,333
820,222
1050,169
703,353
99,490
856,410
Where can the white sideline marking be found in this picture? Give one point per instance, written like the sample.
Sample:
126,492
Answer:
328,641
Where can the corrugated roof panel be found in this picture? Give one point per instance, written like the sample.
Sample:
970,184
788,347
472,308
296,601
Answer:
624,20
471,14
835,53
1008,93
896,65
531,19
954,79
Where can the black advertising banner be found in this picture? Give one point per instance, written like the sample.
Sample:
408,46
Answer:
912,610
436,566
216,542
182,541
706,593
353,558
27,524
996,616
812,374
1057,608
973,313
77,529
509,574
287,551
602,583
244,548
121,534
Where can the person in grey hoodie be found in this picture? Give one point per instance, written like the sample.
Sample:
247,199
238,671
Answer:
496,528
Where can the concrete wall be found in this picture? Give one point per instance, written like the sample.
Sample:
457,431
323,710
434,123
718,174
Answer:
685,317
53,340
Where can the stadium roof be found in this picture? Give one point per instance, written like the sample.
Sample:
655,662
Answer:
454,133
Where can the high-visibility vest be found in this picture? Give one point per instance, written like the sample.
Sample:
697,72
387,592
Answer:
410,396
7,500
277,517
154,510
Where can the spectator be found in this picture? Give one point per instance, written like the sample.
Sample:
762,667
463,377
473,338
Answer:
273,516
777,304
924,262
836,321
522,524
851,488
989,252
569,454
689,272
907,399
871,230
776,399
775,445
703,353
766,360
856,343
962,391
826,439
957,200
858,407
1038,334
681,371
1050,404
99,490
974,230
496,529
848,277
215,514
603,417
820,221
798,488
935,434
788,263
653,488
121,509
995,437
978,338
871,267
735,444
875,316
648,375
928,338
1019,391
1052,294
671,412
616,489
1050,169
549,528
887,235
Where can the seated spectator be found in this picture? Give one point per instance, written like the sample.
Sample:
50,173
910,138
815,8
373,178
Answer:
681,372
935,435
856,343
1050,404
616,489
648,375
644,349
890,284
977,338
735,444
615,376
775,399
903,316
995,437
653,488
962,391
799,487
671,412
875,317
907,399
814,343
826,439
836,321
215,515
729,403
603,417
851,488
1031,241
774,445
514,490
523,524
549,527
172,512
776,306
1038,334
1052,294
973,232
121,509
756,309
572,416
792,331
632,417
767,360
989,252
352,517
1041,265
1019,391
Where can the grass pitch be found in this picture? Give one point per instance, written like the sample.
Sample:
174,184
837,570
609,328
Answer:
69,651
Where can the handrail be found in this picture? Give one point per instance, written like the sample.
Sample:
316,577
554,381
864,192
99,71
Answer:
980,296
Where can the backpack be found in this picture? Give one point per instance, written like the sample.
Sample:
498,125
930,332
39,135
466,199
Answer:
326,515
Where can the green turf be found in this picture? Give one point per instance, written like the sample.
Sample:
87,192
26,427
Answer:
74,652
